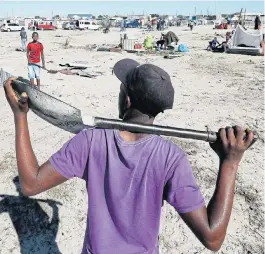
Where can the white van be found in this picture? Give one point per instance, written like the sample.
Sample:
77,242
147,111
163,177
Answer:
87,25
8,27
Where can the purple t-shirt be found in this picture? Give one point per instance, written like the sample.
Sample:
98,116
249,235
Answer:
127,183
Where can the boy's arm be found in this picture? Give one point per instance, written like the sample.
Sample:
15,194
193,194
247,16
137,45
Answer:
68,162
33,178
42,58
28,55
210,224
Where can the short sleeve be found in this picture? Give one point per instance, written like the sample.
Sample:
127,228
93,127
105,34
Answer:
181,190
28,47
71,160
41,46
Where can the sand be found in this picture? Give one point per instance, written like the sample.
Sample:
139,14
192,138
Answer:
210,89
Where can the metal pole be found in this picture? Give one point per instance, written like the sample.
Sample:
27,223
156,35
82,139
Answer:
215,9
104,123
208,136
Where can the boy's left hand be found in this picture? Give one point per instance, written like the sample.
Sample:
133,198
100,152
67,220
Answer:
18,106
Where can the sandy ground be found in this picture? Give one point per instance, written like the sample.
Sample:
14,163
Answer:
210,89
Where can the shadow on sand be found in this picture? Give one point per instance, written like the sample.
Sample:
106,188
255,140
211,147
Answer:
36,232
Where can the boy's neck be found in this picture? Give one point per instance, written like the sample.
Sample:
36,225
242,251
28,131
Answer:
135,116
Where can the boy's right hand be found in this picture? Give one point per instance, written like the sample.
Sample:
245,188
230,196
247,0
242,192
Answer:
231,144
18,106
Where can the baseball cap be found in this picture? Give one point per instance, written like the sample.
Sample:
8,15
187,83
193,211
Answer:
149,87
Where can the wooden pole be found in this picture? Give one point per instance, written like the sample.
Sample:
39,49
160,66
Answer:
239,19
243,24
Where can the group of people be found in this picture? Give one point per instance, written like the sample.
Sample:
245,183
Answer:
166,39
35,55
161,24
156,24
215,46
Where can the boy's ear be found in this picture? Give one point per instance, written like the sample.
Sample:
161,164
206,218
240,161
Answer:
129,104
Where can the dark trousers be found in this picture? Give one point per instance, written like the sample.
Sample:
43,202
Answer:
161,43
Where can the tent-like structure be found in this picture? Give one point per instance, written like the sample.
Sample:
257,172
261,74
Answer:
246,41
171,37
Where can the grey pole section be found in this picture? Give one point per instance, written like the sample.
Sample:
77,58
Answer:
104,123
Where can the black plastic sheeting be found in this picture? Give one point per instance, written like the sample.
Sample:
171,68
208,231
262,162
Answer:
171,37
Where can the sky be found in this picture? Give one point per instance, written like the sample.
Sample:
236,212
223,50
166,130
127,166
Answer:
49,8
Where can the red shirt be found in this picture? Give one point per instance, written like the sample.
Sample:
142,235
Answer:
35,49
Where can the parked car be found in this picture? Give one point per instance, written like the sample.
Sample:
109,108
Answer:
69,26
133,24
94,27
46,26
11,27
87,25
42,26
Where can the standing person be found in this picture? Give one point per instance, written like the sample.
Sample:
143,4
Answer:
128,175
24,38
141,23
163,23
123,25
154,23
35,25
158,25
34,53
149,26
191,25
257,23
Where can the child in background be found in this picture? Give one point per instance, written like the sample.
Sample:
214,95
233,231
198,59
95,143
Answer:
35,55
24,38
213,44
